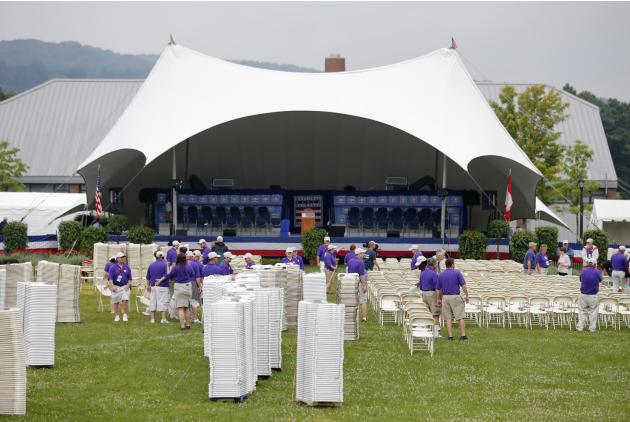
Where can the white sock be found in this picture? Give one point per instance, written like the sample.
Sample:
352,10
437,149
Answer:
436,330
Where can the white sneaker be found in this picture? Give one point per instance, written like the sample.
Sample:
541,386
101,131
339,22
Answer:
125,319
146,313
152,321
197,321
164,321
117,318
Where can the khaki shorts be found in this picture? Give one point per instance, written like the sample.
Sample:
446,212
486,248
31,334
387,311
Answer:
158,301
362,295
429,299
194,303
182,295
121,295
453,308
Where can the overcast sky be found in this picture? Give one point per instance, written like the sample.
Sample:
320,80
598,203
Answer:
585,44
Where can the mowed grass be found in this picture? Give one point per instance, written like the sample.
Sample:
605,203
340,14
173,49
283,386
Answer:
138,371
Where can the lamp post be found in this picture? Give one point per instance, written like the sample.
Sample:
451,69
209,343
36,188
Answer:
581,185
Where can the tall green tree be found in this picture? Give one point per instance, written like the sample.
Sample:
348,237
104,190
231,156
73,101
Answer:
577,159
530,117
11,169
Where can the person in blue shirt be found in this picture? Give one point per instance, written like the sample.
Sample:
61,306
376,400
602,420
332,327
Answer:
120,285
415,254
171,255
357,266
542,261
427,284
195,298
370,257
212,268
448,298
588,302
249,261
297,259
288,256
159,292
205,250
529,262
183,275
321,251
226,268
619,264
349,256
330,266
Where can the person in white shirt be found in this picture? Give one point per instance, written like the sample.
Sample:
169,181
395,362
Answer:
590,250
564,262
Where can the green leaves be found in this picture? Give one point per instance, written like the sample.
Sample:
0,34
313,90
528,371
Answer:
311,240
142,235
11,169
472,245
15,236
69,233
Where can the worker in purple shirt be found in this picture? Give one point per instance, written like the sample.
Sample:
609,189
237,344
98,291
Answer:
529,262
588,302
195,298
415,250
120,285
427,284
249,261
357,266
330,266
349,255
183,275
542,261
321,251
158,291
108,266
171,254
619,263
226,268
212,268
205,250
288,256
453,307
297,259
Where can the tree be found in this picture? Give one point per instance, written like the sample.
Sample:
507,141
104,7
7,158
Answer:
577,159
5,94
530,117
11,169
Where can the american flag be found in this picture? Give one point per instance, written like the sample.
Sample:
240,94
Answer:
98,197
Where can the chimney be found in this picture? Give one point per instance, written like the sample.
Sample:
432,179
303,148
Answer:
335,63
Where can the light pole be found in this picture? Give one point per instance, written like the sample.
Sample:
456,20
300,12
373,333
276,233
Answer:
581,185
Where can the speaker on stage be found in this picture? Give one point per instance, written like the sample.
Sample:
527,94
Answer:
337,230
393,233
229,232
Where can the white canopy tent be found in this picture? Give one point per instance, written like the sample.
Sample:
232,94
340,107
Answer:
41,211
543,212
311,130
612,216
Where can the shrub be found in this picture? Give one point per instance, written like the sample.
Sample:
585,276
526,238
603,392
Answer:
600,239
311,240
549,236
92,235
498,229
519,244
139,234
15,236
472,245
117,224
69,232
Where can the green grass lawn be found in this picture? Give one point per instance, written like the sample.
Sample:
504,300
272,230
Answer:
137,371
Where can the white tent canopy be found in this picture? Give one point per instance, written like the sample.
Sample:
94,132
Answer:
431,100
543,212
41,211
612,216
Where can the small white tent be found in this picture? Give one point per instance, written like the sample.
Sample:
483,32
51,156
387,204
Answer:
41,211
612,216
543,212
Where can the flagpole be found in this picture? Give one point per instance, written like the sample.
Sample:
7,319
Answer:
508,214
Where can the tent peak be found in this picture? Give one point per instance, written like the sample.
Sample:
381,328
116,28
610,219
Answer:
171,40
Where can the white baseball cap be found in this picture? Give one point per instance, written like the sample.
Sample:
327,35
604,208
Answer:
189,253
289,250
420,260
331,246
197,253
247,256
589,240
326,238
565,242
532,244
213,255
414,248
228,255
201,241
175,243
359,250
219,238
159,254
120,255
622,247
112,257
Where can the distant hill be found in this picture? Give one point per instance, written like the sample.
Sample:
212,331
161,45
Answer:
27,63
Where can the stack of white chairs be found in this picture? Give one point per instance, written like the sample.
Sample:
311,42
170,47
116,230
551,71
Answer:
293,293
147,257
68,293
134,262
314,287
232,353
100,257
348,295
263,332
212,292
38,302
12,363
47,272
3,283
276,311
15,273
319,369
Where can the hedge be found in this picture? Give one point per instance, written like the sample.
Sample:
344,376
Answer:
69,232
117,224
549,236
311,241
139,234
600,239
15,236
472,245
519,243
92,235
498,229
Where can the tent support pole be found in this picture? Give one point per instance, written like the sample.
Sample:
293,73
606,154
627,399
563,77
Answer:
443,216
174,193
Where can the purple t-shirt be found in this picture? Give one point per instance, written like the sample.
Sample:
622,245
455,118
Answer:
619,262
542,260
356,265
414,260
449,281
195,267
204,254
226,269
182,273
250,264
428,280
211,269
349,257
108,266
530,256
299,261
171,256
330,261
589,281
157,270
120,276
286,260
321,251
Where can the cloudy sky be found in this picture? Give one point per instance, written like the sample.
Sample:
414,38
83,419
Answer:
586,44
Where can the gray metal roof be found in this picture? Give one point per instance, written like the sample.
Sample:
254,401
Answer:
584,123
57,124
